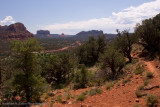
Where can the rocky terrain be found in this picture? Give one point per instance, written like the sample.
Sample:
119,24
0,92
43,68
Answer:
14,31
129,91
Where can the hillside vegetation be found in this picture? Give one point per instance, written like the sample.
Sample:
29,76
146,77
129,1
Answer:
99,73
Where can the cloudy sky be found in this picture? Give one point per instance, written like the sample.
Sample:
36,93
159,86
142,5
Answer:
73,16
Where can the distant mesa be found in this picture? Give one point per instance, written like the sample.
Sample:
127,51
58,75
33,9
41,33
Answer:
90,33
84,35
46,34
14,31
43,33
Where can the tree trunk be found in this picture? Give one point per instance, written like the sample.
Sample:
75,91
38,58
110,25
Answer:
130,58
27,88
27,94
113,72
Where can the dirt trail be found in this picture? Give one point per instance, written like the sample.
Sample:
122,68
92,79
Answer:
77,43
151,67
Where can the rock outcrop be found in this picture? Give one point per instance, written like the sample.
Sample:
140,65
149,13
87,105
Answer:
84,35
15,31
43,33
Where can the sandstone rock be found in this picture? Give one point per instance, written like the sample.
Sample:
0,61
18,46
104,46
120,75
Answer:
142,93
149,87
70,102
137,100
14,31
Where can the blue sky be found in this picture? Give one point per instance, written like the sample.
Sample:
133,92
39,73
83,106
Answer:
72,16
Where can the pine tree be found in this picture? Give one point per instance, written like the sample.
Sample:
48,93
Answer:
27,81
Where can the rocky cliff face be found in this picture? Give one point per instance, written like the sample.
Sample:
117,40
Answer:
14,31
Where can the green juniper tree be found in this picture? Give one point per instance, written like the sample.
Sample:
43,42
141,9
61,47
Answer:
89,52
59,70
27,81
124,43
81,78
102,43
149,34
113,60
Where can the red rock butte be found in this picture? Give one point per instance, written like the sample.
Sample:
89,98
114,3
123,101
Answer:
14,31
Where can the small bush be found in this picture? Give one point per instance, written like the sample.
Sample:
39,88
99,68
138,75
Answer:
140,87
126,80
136,105
135,61
152,100
81,97
149,75
109,85
67,95
51,104
59,99
92,92
95,91
130,76
99,91
73,96
145,82
138,70
118,84
81,78
85,92
138,94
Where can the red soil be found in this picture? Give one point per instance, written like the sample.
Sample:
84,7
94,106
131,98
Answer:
119,96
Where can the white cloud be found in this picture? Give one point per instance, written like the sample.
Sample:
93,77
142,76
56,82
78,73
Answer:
125,19
7,20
